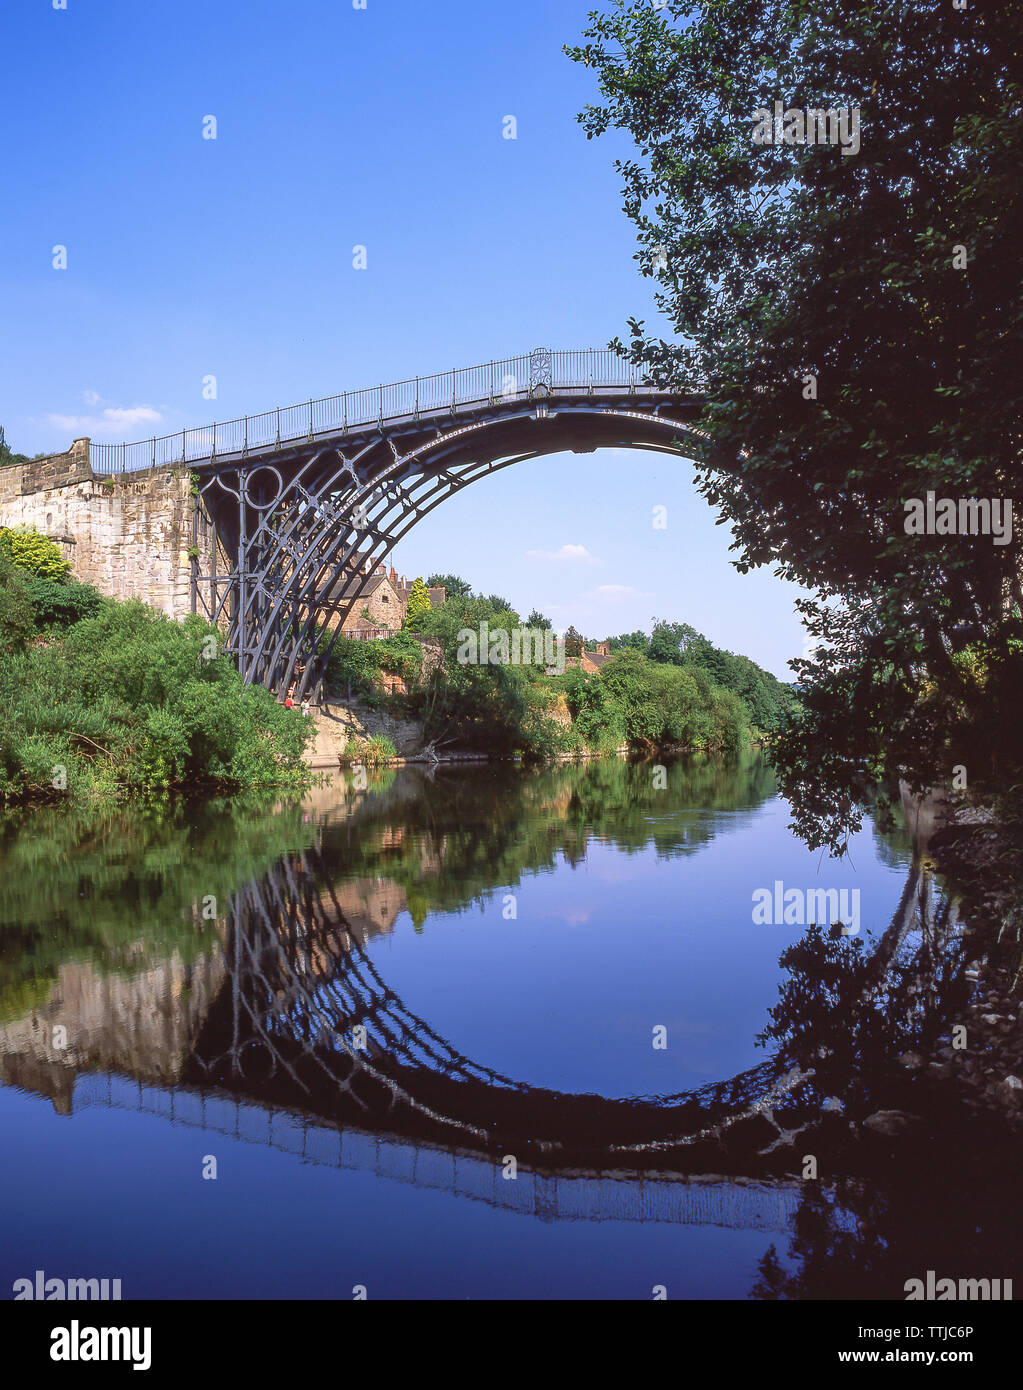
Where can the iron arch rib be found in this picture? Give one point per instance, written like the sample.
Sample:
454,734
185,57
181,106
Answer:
306,515
304,561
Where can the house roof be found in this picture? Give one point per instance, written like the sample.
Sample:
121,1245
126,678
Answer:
360,582
366,586
437,593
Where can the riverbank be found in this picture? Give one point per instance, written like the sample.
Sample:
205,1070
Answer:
348,735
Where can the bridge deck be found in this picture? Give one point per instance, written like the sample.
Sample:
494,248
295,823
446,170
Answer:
592,372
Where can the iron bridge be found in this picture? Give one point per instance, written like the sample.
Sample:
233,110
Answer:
298,506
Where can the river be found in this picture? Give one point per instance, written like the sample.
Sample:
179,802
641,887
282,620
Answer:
485,1032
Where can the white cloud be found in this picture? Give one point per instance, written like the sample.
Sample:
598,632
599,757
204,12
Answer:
114,419
566,552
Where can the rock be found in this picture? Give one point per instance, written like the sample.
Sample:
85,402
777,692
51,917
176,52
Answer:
940,1070
991,1018
890,1122
1010,1092
833,1104
912,1060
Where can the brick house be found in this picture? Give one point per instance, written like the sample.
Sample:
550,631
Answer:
384,597
404,587
590,661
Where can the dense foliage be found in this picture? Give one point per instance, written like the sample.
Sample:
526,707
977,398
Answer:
102,697
638,701
36,554
848,315
356,665
770,703
512,708
17,610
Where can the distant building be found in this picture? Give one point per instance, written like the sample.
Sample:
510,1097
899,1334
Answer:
404,587
384,598
590,661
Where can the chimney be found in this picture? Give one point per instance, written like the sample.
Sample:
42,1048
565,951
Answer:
394,575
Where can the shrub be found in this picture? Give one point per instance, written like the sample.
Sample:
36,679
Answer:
401,654
124,700
34,552
380,749
351,663
17,610
63,603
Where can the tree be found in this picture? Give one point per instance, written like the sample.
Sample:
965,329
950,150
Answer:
575,642
537,620
6,456
499,604
845,314
670,641
453,586
418,605
637,640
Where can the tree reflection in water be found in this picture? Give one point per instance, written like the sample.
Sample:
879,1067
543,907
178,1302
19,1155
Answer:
276,982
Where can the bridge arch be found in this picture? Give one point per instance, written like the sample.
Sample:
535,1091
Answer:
343,547
306,517
301,982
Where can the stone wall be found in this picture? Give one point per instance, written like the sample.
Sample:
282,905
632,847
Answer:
143,1025
342,730
128,534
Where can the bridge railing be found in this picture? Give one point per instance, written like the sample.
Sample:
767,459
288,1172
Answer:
554,371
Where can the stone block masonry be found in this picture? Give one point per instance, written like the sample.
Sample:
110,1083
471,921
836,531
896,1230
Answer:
128,534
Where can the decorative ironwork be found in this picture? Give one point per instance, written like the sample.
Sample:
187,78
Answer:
306,503
541,372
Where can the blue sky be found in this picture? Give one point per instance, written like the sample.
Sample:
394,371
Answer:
336,127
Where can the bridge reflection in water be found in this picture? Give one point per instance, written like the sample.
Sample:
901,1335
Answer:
256,1036
302,984
268,1052
568,1195
307,1019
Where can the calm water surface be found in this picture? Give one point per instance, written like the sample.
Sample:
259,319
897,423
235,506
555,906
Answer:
513,943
